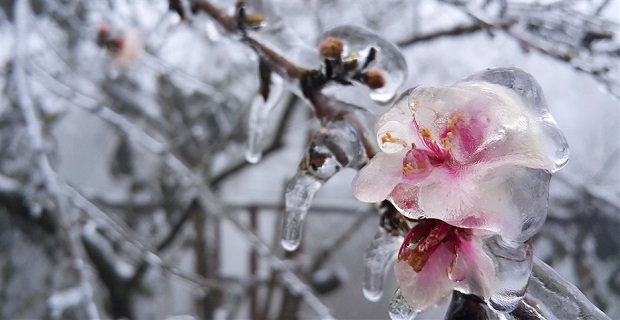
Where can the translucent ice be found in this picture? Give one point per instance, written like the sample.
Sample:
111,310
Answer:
378,258
275,35
299,194
257,120
388,58
513,266
555,298
456,154
334,146
531,95
399,309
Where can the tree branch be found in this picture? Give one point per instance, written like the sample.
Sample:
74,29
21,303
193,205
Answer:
33,126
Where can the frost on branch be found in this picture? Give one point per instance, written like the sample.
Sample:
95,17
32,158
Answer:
477,156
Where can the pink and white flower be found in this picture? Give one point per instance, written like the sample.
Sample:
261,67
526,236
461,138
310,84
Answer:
436,258
462,154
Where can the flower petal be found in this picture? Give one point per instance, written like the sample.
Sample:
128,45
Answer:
429,287
529,95
375,181
473,268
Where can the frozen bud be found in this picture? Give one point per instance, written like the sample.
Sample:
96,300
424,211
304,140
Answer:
254,20
331,48
350,64
126,49
364,51
103,34
375,79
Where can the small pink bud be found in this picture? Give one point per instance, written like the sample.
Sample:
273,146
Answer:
127,48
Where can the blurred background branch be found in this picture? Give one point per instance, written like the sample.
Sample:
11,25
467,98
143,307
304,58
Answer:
125,193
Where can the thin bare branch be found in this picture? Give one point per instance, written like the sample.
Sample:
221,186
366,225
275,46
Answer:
62,213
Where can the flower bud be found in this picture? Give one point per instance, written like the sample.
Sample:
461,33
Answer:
103,34
331,48
254,20
375,79
127,48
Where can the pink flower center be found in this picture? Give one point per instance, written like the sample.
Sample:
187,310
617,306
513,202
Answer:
460,132
418,163
425,237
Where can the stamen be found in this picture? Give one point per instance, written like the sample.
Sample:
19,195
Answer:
387,137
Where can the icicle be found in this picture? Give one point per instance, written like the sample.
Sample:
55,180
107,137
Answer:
259,112
513,267
300,192
389,60
333,147
379,255
399,309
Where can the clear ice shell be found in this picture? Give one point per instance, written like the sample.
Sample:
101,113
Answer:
378,257
279,38
399,309
389,59
513,267
334,146
556,298
300,192
257,120
530,92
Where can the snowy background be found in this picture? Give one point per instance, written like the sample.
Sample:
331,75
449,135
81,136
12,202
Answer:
190,91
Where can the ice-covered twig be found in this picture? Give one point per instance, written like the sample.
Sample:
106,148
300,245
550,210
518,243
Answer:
212,203
135,133
125,231
585,42
456,31
555,298
33,126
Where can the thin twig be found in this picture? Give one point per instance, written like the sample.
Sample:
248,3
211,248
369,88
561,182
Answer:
211,202
129,235
33,126
459,30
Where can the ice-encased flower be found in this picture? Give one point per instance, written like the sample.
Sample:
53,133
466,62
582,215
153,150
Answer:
461,153
436,258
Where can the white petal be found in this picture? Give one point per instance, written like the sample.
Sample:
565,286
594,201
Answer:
431,285
375,181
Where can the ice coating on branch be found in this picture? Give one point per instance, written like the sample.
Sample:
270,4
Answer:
388,58
378,257
513,265
399,309
257,120
461,153
278,37
334,146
